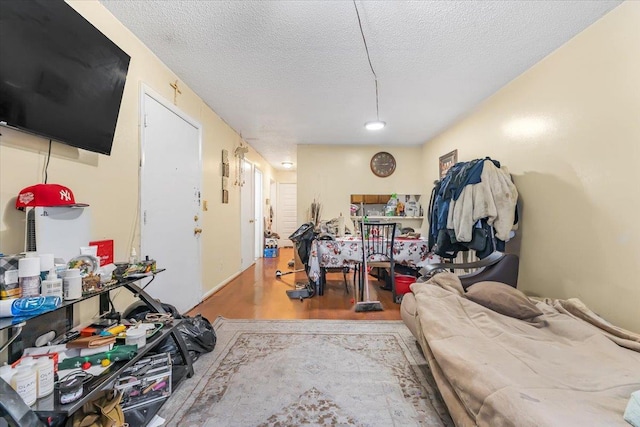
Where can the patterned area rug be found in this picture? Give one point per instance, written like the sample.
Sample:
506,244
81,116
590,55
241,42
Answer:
309,373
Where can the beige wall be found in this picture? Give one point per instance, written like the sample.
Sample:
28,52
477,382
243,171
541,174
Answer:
569,131
289,177
110,183
331,173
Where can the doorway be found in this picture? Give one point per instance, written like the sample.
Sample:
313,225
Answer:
247,216
170,182
258,206
287,216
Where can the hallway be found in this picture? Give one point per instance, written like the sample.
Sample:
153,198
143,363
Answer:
258,294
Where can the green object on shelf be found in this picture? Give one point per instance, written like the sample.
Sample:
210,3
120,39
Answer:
117,354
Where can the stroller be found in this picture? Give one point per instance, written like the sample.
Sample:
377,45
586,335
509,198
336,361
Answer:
302,239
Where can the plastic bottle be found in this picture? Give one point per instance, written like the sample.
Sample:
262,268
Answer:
133,259
28,306
24,382
341,226
52,286
6,372
390,208
46,264
44,367
72,284
29,276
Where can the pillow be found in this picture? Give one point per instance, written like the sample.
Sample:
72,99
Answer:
503,299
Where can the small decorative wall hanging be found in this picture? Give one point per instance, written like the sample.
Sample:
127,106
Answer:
225,163
446,161
239,153
225,176
176,91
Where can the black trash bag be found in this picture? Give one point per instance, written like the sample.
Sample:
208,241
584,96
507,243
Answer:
198,334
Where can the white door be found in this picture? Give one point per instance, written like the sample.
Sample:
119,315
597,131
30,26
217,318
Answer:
259,212
170,201
287,217
247,218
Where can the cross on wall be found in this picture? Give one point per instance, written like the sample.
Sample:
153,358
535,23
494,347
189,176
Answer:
176,91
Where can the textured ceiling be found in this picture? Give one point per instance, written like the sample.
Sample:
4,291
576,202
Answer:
284,73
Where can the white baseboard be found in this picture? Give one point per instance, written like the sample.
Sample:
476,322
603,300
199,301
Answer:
219,286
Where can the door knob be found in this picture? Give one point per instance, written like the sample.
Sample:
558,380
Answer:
195,218
197,230
251,221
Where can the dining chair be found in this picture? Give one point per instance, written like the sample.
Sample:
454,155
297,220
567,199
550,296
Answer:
377,249
323,270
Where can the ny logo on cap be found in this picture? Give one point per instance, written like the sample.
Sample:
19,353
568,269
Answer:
65,195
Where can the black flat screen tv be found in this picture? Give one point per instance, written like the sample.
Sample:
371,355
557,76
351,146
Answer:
60,77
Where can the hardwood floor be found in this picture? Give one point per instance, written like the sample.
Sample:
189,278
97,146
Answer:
258,294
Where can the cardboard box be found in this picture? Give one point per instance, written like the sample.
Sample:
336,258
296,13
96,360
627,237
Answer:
105,251
271,253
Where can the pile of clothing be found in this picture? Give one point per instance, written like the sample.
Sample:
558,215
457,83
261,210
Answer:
472,208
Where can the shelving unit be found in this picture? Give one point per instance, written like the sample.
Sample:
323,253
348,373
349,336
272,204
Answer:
50,406
390,218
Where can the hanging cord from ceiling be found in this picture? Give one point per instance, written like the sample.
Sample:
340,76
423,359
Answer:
46,165
366,48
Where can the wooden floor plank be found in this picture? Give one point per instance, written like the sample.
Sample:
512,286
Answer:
257,294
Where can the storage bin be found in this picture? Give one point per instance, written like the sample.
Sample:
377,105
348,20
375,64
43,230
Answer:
271,252
403,282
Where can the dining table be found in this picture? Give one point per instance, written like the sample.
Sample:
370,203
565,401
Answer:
346,252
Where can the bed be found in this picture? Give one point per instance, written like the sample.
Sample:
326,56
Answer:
563,367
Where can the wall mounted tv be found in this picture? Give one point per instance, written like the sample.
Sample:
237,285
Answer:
60,77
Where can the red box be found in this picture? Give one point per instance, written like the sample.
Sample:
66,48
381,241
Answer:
403,282
105,251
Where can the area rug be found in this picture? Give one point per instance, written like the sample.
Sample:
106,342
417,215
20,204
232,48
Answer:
309,373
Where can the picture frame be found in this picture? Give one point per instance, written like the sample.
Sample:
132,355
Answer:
446,161
225,163
225,176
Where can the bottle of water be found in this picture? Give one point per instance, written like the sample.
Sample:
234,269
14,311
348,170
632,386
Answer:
22,307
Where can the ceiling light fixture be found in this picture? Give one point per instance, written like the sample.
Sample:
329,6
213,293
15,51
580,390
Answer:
377,124
287,165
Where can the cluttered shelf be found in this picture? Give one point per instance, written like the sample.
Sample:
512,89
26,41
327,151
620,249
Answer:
8,322
142,372
52,405
388,217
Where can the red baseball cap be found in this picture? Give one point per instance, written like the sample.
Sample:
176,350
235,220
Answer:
47,195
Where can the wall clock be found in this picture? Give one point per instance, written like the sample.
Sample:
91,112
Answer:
383,164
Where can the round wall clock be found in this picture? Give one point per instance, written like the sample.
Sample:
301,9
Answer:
383,164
